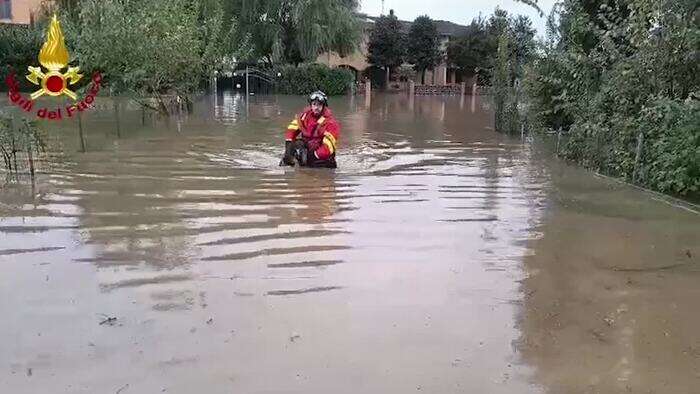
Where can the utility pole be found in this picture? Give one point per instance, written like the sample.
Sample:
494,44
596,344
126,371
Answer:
247,93
382,8
246,83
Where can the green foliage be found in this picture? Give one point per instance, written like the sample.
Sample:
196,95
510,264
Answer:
423,49
387,42
523,43
622,77
473,52
151,47
307,78
294,31
19,48
514,48
19,136
672,161
501,78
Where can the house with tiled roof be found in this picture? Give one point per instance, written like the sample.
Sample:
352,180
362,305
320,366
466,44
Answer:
357,61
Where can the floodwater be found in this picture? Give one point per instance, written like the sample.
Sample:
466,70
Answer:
440,257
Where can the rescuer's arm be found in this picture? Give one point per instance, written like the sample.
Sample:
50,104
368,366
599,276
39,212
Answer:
289,136
330,141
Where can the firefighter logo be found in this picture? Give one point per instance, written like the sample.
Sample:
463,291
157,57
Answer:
54,57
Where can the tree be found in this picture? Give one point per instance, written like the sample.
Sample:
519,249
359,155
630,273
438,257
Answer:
523,43
505,100
473,52
387,43
423,45
533,4
19,48
498,24
497,51
151,48
621,79
296,31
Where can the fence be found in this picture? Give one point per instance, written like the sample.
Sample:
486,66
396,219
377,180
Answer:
442,90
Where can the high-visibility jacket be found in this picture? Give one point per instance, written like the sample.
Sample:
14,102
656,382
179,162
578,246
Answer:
319,132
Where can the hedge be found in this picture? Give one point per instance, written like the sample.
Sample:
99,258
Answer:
307,78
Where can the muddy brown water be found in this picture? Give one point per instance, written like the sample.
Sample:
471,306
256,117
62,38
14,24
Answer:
440,257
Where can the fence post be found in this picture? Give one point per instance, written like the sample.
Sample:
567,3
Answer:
558,139
247,94
368,92
30,157
80,131
638,156
15,135
115,102
247,91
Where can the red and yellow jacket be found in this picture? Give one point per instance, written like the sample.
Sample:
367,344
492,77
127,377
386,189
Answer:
320,133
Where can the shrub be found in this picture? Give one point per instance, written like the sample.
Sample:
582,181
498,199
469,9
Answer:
671,158
19,48
307,78
622,82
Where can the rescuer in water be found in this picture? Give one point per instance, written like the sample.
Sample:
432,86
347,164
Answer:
311,137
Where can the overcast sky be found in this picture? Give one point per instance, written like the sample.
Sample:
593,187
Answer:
461,12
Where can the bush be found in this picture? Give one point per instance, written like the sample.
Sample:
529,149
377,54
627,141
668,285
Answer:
19,48
622,83
671,158
20,136
307,78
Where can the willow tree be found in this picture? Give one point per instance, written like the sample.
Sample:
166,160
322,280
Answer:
296,31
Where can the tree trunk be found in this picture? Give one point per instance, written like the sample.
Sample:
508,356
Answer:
6,157
31,160
116,115
14,147
422,77
387,78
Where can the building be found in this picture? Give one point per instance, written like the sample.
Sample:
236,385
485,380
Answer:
357,62
19,11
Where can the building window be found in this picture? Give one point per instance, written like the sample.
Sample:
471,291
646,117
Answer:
5,9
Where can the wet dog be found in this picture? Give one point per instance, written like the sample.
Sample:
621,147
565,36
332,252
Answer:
300,153
301,157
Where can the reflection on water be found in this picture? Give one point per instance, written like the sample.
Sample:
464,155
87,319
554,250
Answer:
611,294
429,260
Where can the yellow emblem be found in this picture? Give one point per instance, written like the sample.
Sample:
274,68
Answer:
54,57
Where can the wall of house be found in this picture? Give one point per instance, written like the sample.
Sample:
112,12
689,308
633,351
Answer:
22,10
358,60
